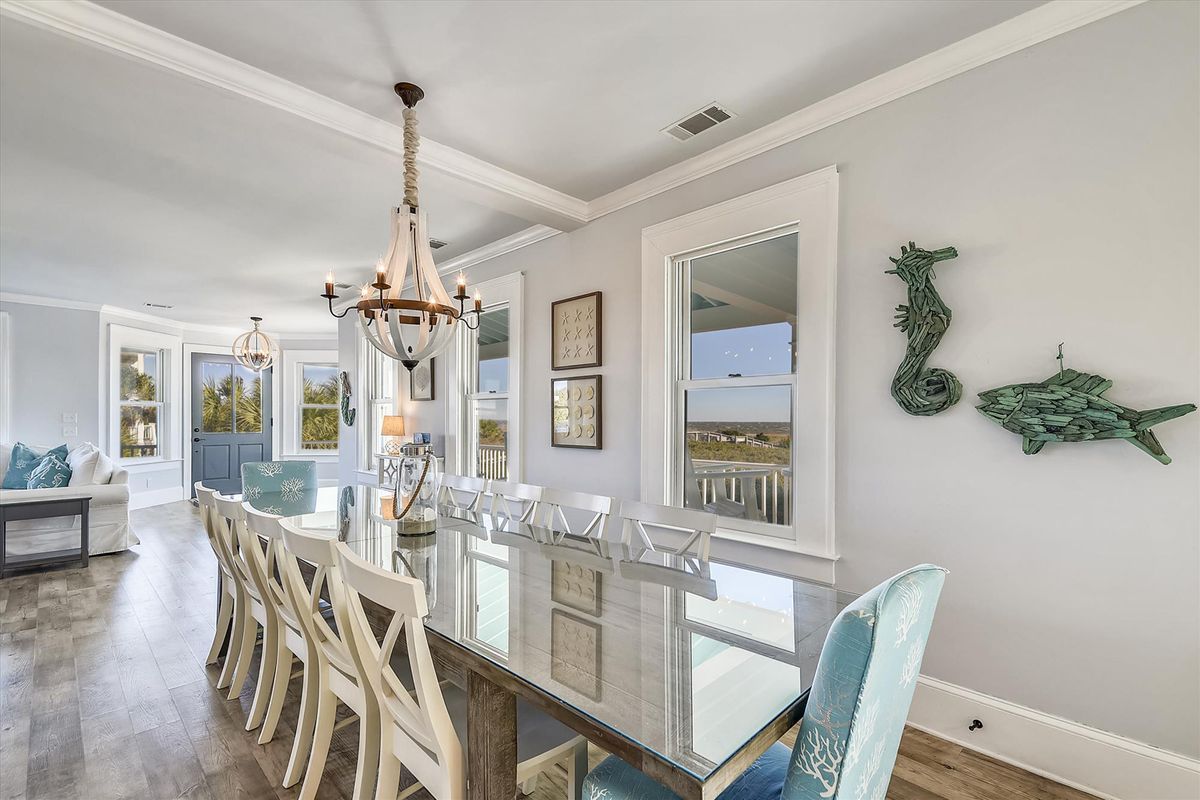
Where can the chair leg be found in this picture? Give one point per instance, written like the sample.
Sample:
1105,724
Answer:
224,619
245,655
266,672
389,769
302,742
235,643
368,751
577,770
279,686
322,733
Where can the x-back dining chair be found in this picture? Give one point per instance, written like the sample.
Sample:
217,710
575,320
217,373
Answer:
474,488
419,730
679,531
218,541
333,674
506,496
856,710
291,640
553,501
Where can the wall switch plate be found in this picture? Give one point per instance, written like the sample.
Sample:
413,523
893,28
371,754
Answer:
70,419
70,430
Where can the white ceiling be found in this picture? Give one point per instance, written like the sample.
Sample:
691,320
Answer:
125,183
574,94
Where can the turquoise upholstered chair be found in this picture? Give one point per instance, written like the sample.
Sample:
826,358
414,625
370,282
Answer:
278,477
856,711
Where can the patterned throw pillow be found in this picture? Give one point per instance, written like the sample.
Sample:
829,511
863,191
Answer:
24,459
50,473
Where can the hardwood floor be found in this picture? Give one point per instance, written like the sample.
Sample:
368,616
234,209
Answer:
104,694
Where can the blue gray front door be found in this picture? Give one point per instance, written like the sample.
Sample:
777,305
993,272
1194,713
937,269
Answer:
231,420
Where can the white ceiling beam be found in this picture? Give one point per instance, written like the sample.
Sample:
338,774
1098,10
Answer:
485,182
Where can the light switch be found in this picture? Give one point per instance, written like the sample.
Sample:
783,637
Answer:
70,430
70,419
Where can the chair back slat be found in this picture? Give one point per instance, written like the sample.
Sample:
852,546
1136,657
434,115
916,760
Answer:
553,501
474,488
305,598
422,733
265,525
506,495
690,530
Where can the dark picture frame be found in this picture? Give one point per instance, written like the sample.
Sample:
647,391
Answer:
572,413
412,381
579,333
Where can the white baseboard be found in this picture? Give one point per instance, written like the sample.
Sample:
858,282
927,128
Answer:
1088,759
155,498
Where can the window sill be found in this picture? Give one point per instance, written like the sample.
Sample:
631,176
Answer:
324,456
784,556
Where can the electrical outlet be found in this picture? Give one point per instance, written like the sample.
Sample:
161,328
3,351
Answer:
70,419
70,430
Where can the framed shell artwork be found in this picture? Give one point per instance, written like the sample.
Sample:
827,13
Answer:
576,332
575,412
420,385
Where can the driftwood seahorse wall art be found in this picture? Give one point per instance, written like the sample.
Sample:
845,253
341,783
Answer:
348,413
924,320
1068,407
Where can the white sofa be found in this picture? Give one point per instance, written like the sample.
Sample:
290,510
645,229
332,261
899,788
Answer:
108,516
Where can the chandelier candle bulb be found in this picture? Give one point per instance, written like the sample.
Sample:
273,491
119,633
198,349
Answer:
328,284
462,287
478,302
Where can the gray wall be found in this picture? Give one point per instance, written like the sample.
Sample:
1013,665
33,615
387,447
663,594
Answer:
55,360
1067,177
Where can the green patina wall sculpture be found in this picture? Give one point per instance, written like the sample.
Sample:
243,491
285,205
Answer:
924,320
348,413
1068,407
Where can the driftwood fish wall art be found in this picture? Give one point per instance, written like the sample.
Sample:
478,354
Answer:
1068,407
348,413
924,320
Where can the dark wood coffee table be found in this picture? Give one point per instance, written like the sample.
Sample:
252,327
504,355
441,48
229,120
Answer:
11,511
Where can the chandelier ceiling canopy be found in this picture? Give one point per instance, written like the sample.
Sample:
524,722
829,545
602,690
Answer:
406,313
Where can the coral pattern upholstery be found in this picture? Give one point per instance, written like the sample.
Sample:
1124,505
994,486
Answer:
289,479
856,710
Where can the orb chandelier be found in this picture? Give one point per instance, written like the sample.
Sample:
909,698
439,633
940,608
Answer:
254,349
409,318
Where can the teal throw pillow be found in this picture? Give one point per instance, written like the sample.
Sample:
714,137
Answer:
21,464
50,473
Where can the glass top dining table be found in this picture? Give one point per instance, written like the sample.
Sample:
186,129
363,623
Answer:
688,662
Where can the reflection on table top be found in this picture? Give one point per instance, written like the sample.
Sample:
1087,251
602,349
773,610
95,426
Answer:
688,660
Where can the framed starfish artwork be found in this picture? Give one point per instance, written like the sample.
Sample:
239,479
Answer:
576,334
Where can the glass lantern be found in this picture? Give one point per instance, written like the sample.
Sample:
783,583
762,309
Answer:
414,503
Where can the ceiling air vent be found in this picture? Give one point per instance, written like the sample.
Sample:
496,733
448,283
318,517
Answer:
157,305
707,117
436,244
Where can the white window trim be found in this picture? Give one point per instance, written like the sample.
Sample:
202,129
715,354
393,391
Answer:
809,202
366,436
507,290
170,437
287,387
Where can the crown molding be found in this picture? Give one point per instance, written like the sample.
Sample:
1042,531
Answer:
141,316
519,195
1008,37
107,29
531,235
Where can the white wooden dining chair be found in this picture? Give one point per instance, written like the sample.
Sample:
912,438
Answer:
679,531
473,488
254,613
291,641
419,730
333,674
506,495
553,501
208,514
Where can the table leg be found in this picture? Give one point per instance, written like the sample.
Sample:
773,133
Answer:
491,740
83,534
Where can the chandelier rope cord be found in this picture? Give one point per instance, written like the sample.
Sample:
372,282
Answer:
412,141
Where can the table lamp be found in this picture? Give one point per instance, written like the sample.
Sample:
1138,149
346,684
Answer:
393,427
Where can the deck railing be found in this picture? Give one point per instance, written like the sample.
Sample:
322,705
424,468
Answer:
493,462
769,484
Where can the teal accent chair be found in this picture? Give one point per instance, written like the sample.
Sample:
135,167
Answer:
278,477
856,710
